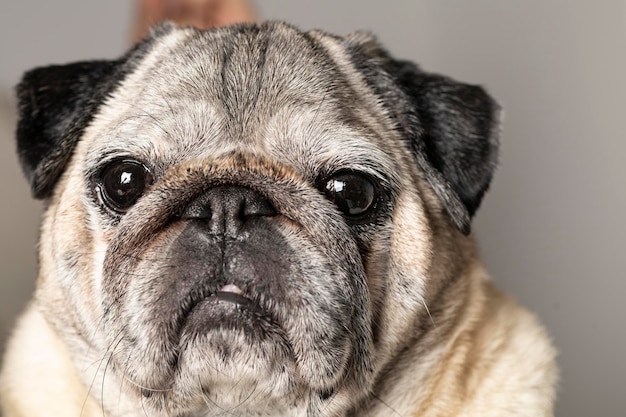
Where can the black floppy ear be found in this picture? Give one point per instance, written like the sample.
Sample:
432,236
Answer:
55,105
460,126
452,127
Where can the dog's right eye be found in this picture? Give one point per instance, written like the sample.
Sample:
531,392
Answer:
122,183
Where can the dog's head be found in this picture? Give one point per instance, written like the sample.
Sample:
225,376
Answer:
250,216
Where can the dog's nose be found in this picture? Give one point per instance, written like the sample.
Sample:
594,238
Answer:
228,208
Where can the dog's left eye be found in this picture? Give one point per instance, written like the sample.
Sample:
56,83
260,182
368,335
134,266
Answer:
122,183
353,193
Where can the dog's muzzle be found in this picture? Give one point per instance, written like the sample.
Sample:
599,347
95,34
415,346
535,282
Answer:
222,255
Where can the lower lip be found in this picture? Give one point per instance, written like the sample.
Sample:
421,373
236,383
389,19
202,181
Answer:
228,310
240,300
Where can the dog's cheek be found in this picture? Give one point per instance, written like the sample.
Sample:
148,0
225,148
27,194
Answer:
411,230
407,274
68,258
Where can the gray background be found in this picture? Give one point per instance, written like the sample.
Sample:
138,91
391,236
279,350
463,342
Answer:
552,228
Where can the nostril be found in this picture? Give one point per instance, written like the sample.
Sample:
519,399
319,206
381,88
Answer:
200,208
260,207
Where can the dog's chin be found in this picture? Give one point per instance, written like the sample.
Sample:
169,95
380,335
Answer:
229,357
229,338
230,351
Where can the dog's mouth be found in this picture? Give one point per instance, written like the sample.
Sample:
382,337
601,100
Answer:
231,293
228,308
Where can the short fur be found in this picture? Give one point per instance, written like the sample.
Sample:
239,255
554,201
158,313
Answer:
387,314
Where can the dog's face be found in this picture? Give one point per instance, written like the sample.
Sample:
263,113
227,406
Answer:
249,217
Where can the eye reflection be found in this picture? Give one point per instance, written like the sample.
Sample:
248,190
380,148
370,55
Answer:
354,194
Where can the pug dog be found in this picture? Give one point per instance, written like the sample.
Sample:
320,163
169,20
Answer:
260,221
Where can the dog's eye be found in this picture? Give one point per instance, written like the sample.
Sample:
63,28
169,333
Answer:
354,194
122,183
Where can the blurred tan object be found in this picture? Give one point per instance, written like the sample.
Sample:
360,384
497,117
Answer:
202,14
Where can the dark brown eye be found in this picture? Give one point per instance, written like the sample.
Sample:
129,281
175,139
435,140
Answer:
354,194
122,183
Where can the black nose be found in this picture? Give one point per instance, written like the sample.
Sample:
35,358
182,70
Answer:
228,209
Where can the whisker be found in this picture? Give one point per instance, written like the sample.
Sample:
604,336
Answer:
136,384
208,401
93,380
387,405
104,374
245,400
428,311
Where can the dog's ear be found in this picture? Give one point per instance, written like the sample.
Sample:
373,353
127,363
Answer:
460,127
453,127
55,104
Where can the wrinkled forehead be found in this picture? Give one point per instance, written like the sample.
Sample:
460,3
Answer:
268,90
